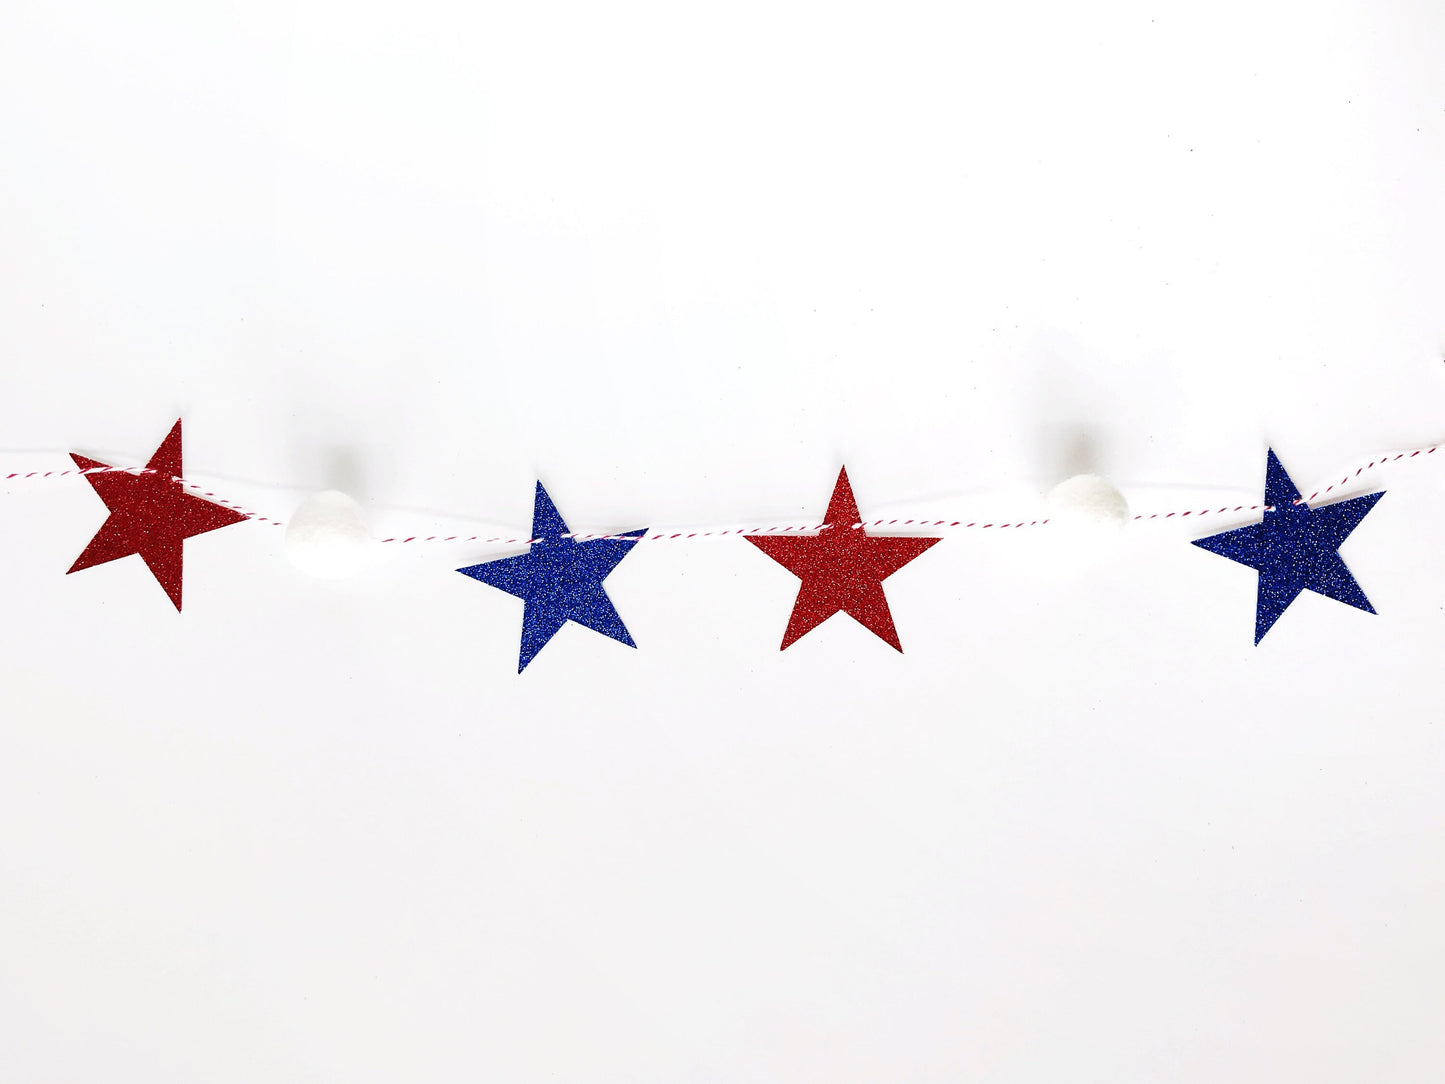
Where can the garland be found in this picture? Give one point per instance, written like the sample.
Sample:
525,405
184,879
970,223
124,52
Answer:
841,564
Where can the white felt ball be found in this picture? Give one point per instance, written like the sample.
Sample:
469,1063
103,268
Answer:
327,536
1087,502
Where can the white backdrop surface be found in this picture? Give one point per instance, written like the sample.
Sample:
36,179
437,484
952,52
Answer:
681,262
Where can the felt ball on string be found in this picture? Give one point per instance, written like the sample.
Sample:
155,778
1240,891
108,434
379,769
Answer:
328,536
1088,504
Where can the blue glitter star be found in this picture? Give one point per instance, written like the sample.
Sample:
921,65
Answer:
560,579
1295,548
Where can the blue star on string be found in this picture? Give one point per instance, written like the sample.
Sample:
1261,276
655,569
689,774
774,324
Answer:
1295,548
560,580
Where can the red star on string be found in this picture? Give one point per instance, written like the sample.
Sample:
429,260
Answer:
151,514
842,568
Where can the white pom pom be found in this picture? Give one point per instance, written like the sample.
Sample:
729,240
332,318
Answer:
328,536
1087,502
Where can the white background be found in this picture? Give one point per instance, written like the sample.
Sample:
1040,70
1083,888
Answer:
680,263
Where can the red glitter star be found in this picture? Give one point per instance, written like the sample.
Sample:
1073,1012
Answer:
842,568
151,514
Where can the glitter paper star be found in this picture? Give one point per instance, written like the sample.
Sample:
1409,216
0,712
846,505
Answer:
151,515
1295,548
842,568
560,579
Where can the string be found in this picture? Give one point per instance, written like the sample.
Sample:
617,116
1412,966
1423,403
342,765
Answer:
687,534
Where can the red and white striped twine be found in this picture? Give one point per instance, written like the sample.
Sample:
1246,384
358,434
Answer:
144,470
1212,511
1370,466
668,536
